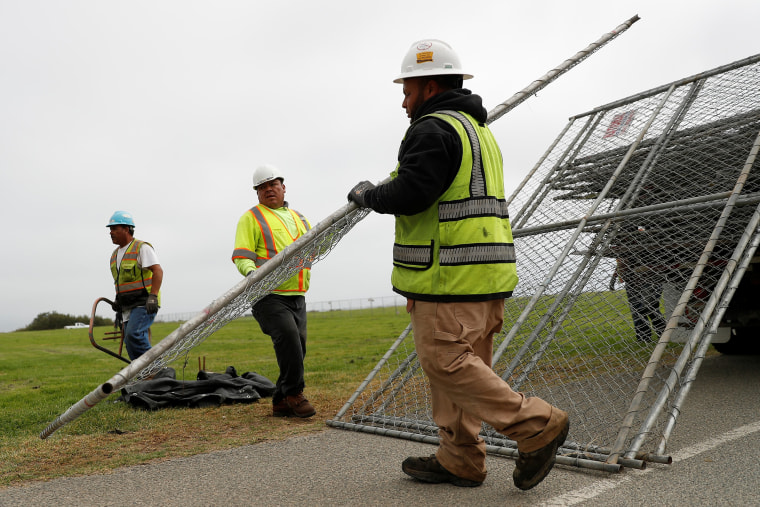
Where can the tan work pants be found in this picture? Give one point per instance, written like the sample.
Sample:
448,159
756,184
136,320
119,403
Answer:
454,343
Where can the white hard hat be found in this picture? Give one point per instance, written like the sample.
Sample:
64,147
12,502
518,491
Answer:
264,173
430,57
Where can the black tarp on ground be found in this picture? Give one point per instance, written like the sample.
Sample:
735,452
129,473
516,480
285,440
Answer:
210,390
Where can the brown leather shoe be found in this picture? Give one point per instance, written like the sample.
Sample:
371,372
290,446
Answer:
428,469
299,406
533,467
281,409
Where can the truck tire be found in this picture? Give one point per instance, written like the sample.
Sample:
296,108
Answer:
745,340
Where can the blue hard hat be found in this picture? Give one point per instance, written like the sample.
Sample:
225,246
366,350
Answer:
121,218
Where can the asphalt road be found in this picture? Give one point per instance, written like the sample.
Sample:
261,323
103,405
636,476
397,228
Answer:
716,451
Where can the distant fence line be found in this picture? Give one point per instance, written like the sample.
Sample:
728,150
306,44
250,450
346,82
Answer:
384,304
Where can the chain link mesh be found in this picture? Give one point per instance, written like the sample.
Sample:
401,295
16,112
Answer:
632,235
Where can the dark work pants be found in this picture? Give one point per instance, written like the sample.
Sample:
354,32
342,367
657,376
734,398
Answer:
283,318
644,300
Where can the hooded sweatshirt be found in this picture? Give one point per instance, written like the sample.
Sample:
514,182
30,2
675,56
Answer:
429,157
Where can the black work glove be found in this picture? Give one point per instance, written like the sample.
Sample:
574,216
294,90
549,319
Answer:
357,194
117,320
151,306
115,306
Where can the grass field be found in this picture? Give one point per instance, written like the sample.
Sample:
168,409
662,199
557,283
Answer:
43,373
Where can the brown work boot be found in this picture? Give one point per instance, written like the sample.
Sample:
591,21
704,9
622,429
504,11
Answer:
430,470
533,467
281,409
299,406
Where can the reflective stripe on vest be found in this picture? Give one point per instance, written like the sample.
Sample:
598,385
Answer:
421,256
476,207
477,179
268,237
476,254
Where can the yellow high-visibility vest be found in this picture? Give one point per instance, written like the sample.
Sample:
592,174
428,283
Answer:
261,234
461,247
132,283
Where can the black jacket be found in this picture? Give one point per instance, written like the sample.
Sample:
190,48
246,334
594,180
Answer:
429,157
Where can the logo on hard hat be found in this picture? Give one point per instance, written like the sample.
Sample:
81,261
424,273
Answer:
422,46
426,56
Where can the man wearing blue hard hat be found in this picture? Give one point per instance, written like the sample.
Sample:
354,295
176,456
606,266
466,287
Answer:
137,277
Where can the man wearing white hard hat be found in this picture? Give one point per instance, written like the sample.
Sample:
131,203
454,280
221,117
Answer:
261,233
454,261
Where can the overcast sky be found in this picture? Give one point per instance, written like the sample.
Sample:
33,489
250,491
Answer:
165,108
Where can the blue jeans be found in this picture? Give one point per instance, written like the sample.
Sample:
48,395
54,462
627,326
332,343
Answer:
137,332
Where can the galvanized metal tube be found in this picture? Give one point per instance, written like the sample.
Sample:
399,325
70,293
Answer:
707,201
553,74
699,355
572,450
512,453
654,91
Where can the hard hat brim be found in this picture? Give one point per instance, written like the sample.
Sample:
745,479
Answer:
257,185
430,72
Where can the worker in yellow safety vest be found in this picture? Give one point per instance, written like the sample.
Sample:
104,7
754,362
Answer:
137,277
262,232
454,261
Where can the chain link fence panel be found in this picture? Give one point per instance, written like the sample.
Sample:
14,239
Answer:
635,234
